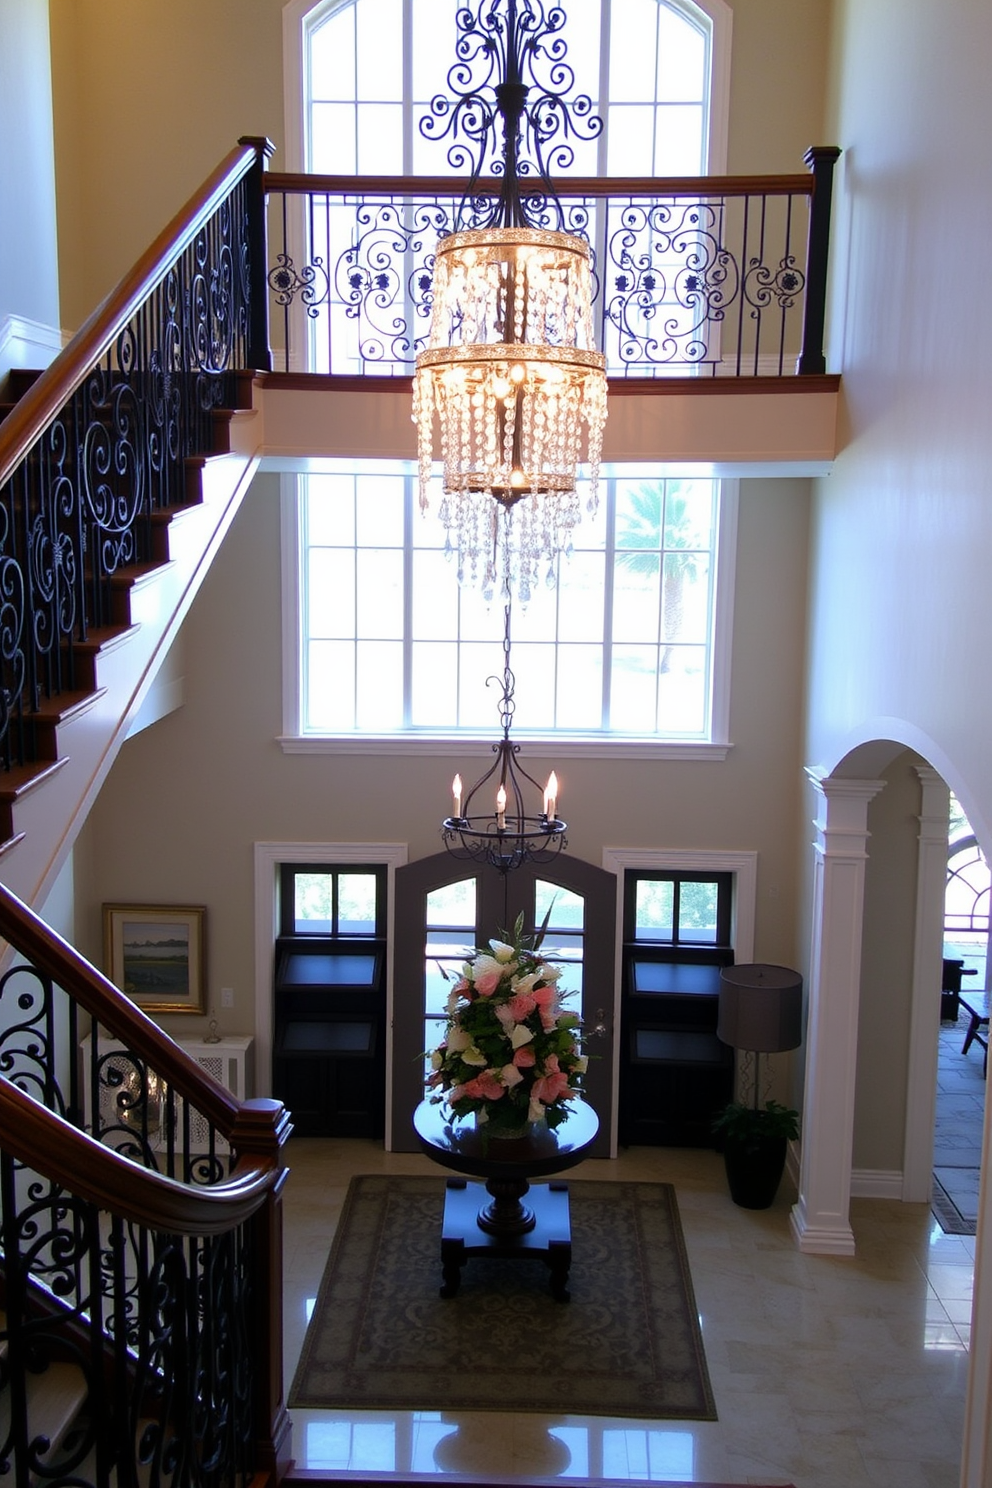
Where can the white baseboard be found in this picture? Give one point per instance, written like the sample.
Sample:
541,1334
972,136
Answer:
27,343
876,1183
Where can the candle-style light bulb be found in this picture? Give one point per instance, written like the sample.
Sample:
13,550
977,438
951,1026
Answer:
551,797
501,808
456,797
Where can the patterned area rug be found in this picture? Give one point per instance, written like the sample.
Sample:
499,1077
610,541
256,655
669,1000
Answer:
627,1344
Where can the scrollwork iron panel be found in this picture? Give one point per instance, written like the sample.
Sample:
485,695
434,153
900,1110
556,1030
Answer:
154,1325
79,510
683,285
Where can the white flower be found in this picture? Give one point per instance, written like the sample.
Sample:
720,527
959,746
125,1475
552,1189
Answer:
510,1075
536,1110
472,1055
525,984
581,1065
502,951
502,1011
458,1040
452,1004
549,973
437,1059
520,1035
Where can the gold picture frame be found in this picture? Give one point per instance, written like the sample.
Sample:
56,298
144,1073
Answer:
155,954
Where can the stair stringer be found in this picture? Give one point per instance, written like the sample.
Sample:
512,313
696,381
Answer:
47,818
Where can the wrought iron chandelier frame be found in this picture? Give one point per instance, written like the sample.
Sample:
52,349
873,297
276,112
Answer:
509,837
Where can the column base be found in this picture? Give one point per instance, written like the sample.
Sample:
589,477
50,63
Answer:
821,1239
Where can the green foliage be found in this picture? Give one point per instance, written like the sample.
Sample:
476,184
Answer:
743,1126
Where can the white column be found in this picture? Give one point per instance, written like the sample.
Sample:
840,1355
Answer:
924,1018
821,1218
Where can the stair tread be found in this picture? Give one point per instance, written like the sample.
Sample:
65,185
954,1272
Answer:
20,779
55,1397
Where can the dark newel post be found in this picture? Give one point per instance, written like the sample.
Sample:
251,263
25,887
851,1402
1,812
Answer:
821,160
259,356
262,1128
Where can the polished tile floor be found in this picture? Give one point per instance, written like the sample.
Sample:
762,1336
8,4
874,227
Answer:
957,1144
826,1371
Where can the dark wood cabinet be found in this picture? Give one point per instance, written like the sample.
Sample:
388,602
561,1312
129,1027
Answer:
329,1054
675,1073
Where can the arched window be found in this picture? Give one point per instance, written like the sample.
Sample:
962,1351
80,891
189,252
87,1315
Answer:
360,74
633,645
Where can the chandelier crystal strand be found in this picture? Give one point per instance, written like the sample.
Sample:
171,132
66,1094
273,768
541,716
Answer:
510,370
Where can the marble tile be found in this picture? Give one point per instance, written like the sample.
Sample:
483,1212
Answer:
825,1370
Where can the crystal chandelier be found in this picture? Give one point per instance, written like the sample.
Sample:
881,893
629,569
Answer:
510,369
508,836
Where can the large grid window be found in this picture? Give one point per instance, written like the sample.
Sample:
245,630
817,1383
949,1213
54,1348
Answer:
372,66
621,645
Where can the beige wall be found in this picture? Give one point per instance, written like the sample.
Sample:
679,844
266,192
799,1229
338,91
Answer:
887,970
187,798
150,96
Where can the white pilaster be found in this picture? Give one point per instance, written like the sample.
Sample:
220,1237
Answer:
821,1218
924,1018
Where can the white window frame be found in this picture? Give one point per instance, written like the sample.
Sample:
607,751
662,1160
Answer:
300,16
462,744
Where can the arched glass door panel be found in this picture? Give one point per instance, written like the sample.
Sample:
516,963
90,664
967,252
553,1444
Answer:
442,912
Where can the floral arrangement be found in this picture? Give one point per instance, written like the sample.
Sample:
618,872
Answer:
511,1051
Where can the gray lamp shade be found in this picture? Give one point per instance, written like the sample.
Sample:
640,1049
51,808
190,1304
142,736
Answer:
761,1008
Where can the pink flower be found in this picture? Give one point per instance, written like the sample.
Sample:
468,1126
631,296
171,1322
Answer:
521,1006
549,1088
547,1001
525,1058
486,981
486,1086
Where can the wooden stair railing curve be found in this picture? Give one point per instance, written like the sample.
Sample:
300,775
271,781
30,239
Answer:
43,1140
102,1235
34,411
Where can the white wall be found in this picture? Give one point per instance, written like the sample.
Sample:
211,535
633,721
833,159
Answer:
29,296
902,535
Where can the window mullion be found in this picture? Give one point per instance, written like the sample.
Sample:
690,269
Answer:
408,499
608,575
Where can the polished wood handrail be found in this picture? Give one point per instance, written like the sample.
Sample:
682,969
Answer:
43,401
46,950
44,1141
565,187
744,387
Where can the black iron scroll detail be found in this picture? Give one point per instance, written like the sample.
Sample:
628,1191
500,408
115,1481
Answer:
511,77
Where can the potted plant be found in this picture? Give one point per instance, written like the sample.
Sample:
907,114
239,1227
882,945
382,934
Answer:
754,1142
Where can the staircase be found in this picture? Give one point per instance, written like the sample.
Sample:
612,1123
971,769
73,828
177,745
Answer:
121,468
140,1219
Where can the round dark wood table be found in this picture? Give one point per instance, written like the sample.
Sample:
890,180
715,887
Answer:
505,1216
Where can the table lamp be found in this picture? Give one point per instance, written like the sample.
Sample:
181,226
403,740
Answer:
760,1011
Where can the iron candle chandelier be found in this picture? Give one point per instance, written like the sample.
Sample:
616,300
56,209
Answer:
510,369
508,836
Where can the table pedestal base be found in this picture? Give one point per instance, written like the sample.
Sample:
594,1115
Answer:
506,1228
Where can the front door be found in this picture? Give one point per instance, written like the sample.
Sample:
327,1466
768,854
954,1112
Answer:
444,908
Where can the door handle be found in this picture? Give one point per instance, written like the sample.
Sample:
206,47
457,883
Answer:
599,1029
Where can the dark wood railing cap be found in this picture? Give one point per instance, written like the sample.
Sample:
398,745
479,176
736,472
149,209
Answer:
44,400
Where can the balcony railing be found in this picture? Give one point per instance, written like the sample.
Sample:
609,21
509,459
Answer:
710,276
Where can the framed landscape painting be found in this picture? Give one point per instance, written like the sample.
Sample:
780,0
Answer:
155,955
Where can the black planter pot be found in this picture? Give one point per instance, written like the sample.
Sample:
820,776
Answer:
754,1170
